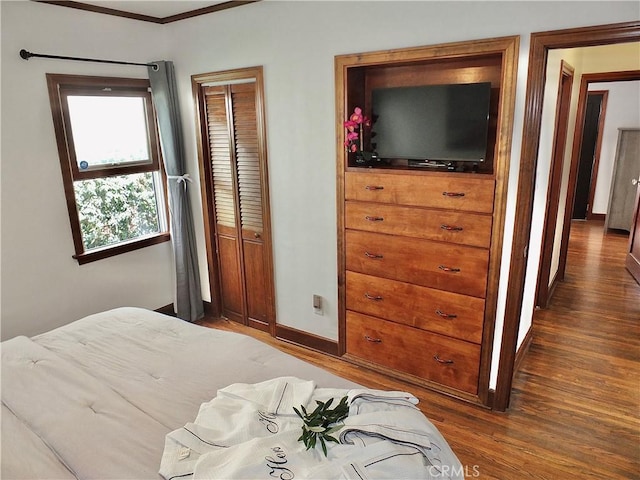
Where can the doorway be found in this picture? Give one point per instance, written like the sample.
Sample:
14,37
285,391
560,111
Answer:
587,79
540,43
545,288
589,154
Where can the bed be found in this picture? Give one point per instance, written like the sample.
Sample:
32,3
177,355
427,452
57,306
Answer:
97,398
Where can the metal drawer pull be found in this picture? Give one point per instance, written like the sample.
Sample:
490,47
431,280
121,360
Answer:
372,340
451,228
453,194
448,269
445,315
374,187
368,296
443,362
373,255
374,219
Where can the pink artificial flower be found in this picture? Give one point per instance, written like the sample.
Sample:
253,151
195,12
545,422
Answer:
349,125
354,148
356,118
352,136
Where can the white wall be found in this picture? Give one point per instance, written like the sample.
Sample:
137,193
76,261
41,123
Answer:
585,60
42,286
623,111
296,42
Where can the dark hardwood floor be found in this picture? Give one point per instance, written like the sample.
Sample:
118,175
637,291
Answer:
575,407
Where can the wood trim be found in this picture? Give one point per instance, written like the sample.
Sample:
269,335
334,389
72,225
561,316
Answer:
205,10
306,339
598,217
207,196
553,284
170,309
167,310
559,143
148,18
123,247
540,44
522,350
596,160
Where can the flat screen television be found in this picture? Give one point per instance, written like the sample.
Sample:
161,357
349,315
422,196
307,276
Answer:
431,123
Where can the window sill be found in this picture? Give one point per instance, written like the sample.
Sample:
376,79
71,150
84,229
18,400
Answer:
111,251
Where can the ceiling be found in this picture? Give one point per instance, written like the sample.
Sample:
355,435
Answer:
156,11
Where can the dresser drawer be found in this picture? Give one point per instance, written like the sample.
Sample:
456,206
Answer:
448,191
455,268
451,314
444,225
450,362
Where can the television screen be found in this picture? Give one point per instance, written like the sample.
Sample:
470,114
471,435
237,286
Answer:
442,123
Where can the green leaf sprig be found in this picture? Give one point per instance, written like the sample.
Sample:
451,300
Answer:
321,423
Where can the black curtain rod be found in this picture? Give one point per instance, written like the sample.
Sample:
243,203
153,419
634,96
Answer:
27,55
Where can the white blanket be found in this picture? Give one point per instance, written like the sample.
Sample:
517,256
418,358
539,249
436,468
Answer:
251,432
96,398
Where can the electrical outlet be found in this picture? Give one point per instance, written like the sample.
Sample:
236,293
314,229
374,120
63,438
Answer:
317,304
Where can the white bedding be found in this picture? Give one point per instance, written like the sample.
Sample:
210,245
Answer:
95,398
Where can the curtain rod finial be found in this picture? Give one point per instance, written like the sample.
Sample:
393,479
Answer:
25,54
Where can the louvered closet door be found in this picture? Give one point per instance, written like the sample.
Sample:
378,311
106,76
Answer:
224,193
247,152
236,171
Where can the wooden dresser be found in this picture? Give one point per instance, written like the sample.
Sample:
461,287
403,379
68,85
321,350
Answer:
420,248
417,256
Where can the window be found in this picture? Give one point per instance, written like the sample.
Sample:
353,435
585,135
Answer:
109,156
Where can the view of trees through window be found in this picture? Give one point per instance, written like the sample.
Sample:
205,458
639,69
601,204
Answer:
116,209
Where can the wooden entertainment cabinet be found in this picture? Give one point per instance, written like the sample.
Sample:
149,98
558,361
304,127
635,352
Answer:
419,249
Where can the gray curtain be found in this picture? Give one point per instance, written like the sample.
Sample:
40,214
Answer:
189,305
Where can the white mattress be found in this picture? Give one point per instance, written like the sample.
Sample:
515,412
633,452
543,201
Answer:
95,398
